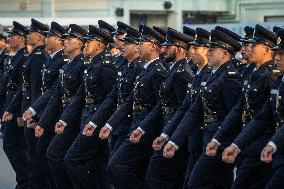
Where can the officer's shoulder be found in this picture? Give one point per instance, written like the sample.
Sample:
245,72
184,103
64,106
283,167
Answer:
184,69
84,60
273,69
107,60
231,72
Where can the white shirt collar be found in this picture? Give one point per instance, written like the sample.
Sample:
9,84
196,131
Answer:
52,55
148,63
215,69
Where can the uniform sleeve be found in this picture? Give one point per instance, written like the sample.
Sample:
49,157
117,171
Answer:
278,137
108,77
231,90
156,112
16,102
121,112
106,108
42,101
54,104
231,125
36,76
192,119
75,107
255,127
176,119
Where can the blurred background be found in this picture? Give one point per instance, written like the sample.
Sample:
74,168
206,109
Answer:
233,14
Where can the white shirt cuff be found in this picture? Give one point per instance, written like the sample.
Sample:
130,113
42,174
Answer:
93,124
63,122
32,110
140,129
174,144
108,126
216,141
239,150
273,145
165,136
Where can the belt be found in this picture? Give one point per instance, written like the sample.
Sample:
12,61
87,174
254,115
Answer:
11,87
168,110
212,118
25,87
246,117
66,99
140,108
91,100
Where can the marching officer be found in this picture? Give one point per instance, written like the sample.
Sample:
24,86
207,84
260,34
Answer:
118,34
123,87
31,86
192,33
87,158
3,57
219,94
130,160
50,73
194,143
167,62
162,172
256,91
14,142
70,78
246,70
273,151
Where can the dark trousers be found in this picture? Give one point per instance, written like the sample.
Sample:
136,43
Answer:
194,144
14,146
167,173
128,165
55,154
87,158
277,178
86,162
44,176
252,174
211,173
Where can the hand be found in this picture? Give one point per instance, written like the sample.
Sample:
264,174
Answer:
59,128
27,115
266,154
104,132
211,149
7,116
39,131
158,143
20,122
88,130
230,154
135,136
169,151
31,123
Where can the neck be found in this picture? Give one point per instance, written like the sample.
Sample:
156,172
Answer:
151,57
178,58
73,54
36,45
19,47
264,60
132,58
223,61
201,65
96,53
58,48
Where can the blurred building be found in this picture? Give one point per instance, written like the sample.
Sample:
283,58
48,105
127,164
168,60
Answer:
164,13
